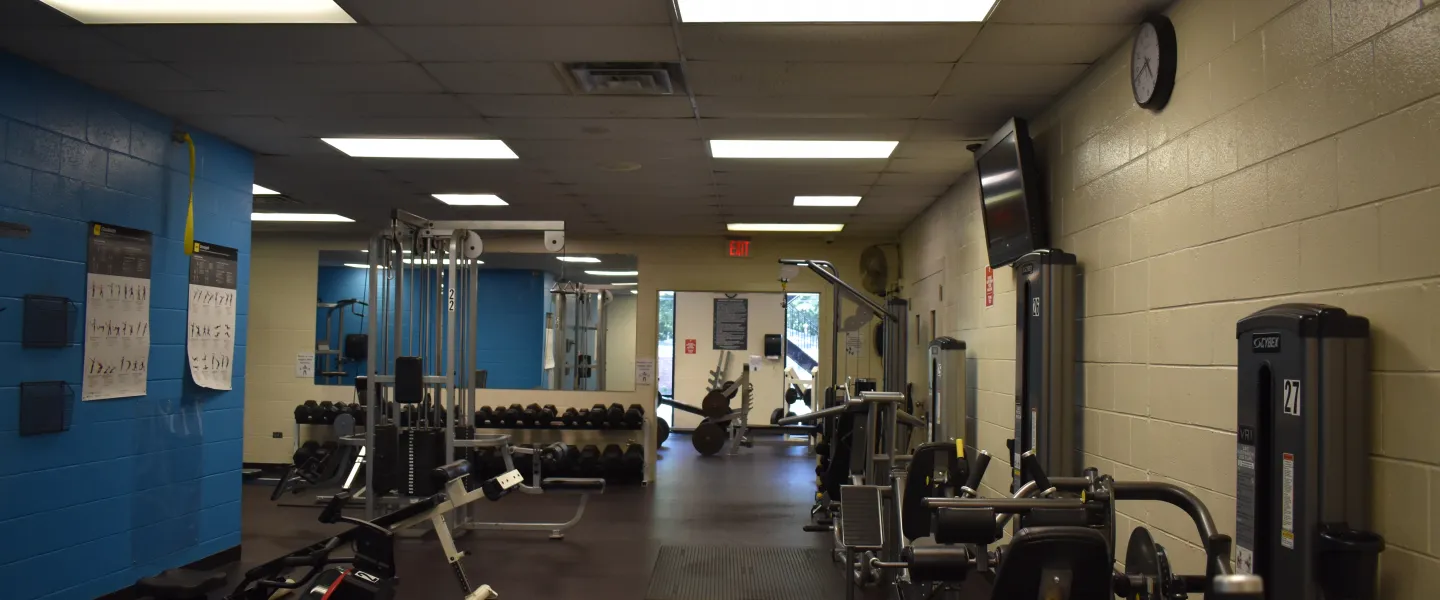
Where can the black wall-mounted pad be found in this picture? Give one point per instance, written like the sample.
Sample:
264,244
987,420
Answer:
409,379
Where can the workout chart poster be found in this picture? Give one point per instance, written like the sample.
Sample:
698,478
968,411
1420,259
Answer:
211,327
732,320
117,312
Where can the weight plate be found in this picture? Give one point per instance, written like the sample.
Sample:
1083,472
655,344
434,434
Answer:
776,415
1143,559
708,438
662,431
715,405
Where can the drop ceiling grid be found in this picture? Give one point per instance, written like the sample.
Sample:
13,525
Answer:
484,68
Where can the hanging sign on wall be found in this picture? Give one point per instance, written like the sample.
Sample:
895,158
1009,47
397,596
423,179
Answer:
211,331
117,312
732,323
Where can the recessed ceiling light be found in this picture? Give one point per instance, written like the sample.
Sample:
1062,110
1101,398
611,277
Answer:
112,12
832,11
360,266
260,190
624,284
613,273
578,259
421,148
827,200
431,261
799,227
636,292
800,149
300,218
471,199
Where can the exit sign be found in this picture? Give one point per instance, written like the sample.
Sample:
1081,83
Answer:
740,248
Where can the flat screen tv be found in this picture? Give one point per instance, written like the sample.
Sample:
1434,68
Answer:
1011,205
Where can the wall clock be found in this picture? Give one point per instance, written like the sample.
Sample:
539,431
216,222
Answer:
1152,63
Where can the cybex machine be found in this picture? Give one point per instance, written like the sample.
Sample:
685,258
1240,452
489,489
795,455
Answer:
948,414
1302,458
1045,414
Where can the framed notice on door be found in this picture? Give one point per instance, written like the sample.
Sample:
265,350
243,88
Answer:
732,323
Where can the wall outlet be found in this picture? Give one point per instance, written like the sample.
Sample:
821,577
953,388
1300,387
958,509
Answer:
277,435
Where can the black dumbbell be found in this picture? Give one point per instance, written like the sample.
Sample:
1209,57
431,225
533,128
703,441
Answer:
553,459
303,411
589,461
634,462
612,462
635,416
305,452
360,413
597,415
327,413
531,416
615,416
485,416
548,414
571,467
570,417
513,415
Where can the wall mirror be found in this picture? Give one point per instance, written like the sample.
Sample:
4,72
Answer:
547,321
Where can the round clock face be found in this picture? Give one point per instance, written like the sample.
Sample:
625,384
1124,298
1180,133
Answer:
1145,64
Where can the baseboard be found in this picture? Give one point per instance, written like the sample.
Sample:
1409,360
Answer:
214,562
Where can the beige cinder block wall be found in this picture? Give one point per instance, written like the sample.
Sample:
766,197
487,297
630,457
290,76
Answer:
1297,162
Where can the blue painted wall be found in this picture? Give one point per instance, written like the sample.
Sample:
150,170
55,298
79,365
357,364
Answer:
511,328
137,485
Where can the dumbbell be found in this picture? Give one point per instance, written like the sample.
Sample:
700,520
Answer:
327,412
304,412
635,416
597,415
531,416
571,417
482,416
589,461
572,461
553,459
612,462
634,462
360,413
548,415
305,452
513,415
615,416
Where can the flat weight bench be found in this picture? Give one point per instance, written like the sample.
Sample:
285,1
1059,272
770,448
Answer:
179,584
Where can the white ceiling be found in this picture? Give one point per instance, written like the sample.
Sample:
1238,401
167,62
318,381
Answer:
485,68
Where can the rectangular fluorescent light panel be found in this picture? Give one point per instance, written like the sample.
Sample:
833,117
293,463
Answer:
367,250
790,227
260,190
471,199
300,218
624,284
578,259
800,149
636,292
613,273
421,148
834,11
360,266
149,12
827,200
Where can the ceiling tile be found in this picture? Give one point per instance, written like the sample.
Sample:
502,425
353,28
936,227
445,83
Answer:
812,107
789,189
941,164
1076,11
608,151
341,126
495,105
806,129
565,129
127,76
46,44
255,43
550,43
613,188
285,104
509,12
815,79
674,174
827,43
311,77
950,151
901,192
498,77
989,78
925,178
975,117
228,126
1050,44
753,177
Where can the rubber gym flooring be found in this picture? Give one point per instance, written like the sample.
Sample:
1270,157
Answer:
758,499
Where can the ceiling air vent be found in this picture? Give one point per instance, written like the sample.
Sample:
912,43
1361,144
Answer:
626,78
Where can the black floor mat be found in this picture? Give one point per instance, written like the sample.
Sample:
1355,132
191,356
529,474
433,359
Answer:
744,573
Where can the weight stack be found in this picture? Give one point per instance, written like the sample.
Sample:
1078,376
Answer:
386,459
423,450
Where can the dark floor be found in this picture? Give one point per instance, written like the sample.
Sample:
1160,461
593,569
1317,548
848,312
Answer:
760,497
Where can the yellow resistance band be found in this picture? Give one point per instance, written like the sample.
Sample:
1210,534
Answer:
190,209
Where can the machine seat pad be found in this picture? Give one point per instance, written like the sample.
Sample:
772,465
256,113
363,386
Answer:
180,584
573,484
1081,551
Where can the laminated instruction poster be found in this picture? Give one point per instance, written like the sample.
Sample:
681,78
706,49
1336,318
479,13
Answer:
211,328
117,312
